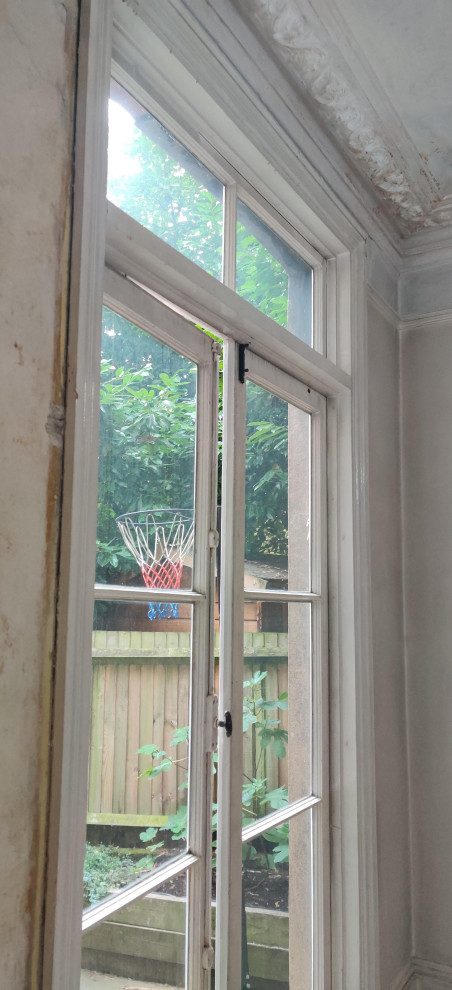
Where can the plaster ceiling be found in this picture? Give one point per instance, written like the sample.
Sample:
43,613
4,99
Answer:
379,75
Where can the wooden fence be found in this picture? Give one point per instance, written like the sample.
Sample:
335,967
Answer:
140,696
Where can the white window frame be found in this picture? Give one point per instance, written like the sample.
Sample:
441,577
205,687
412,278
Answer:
354,872
141,309
291,390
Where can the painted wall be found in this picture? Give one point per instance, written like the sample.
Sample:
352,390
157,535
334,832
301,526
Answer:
427,477
37,54
388,658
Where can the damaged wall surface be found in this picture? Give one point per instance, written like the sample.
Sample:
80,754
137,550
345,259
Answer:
38,51
37,68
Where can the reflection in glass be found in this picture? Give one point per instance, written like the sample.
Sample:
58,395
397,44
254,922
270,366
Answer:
278,912
143,943
301,902
153,178
265,884
278,493
277,694
147,445
138,763
271,276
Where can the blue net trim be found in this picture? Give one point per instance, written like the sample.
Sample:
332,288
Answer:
163,610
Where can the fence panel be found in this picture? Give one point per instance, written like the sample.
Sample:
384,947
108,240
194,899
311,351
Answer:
141,695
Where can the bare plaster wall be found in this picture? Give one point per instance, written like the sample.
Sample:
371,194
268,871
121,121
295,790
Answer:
388,657
427,470
37,63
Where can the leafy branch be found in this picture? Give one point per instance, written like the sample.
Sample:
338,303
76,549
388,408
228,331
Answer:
255,794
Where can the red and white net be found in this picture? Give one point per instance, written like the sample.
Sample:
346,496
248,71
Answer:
159,540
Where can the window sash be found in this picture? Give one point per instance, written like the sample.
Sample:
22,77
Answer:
230,832
144,258
149,314
236,187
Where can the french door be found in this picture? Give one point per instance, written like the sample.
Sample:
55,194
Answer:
209,709
273,805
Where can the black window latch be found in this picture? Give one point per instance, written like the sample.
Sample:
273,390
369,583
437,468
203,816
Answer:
226,724
242,369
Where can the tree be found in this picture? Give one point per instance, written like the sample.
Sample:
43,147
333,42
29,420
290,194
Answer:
148,392
147,433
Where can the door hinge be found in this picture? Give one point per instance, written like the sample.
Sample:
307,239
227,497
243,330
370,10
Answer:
211,723
214,539
216,347
242,369
208,957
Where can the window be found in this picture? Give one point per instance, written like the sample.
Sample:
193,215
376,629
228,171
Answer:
165,594
158,182
214,340
161,185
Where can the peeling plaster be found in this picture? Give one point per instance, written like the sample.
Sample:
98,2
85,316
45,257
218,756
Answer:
37,67
55,424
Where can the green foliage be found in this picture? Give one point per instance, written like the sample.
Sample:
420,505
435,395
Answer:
255,709
170,193
147,434
177,824
148,392
261,279
106,868
148,861
266,521
255,793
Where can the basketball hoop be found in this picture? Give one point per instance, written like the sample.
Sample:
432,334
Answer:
159,539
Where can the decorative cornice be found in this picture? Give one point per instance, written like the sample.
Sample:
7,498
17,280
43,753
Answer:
429,321
383,307
315,65
420,974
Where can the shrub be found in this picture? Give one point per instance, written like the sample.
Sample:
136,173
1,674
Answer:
106,868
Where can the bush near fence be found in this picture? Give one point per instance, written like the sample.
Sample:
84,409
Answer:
141,695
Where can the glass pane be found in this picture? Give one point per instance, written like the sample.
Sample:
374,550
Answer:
142,943
277,920
153,178
146,459
138,764
265,913
271,276
278,493
277,695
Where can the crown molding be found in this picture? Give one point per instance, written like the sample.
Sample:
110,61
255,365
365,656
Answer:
301,40
232,63
426,249
383,307
430,976
426,292
314,44
428,322
382,277
404,980
232,67
420,974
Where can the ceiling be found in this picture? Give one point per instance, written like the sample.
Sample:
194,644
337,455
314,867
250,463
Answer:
379,75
